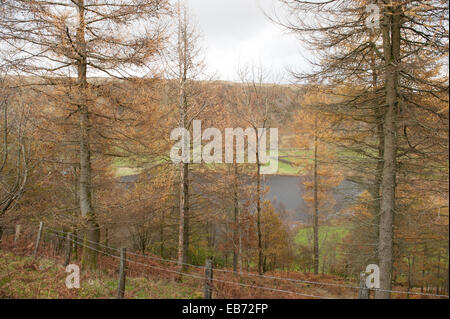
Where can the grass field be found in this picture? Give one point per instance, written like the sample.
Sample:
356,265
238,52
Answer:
304,235
291,162
286,163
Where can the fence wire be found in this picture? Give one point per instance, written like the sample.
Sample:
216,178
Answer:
85,243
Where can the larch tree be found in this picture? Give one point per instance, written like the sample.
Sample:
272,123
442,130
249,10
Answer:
403,36
184,65
313,130
406,36
256,103
276,240
15,149
54,40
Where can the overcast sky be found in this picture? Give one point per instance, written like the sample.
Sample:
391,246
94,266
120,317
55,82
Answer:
237,32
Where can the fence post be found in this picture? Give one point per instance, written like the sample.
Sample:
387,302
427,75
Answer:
17,234
122,273
207,291
363,290
68,249
38,239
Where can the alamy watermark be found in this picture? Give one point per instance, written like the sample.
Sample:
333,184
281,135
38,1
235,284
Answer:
372,276
212,151
73,279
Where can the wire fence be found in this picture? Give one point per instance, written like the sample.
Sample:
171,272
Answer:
280,287
177,272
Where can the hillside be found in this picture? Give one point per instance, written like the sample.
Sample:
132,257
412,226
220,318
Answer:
21,276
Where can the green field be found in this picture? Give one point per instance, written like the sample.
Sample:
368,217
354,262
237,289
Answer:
286,163
335,233
291,162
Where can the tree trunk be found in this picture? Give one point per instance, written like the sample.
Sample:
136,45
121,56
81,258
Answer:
391,46
258,207
438,272
161,235
75,245
1,235
447,281
106,237
183,64
236,226
92,234
183,236
409,276
376,189
316,209
186,215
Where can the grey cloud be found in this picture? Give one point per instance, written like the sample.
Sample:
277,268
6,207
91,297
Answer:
237,31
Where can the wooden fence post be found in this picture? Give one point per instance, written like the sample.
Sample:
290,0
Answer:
207,291
38,239
68,249
17,234
363,290
122,274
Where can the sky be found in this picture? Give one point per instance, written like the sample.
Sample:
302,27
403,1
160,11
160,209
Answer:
236,32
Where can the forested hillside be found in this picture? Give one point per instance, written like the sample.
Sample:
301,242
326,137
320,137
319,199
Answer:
95,96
